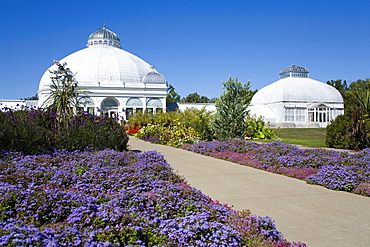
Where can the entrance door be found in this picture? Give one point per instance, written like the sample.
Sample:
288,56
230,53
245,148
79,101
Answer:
109,107
129,112
113,114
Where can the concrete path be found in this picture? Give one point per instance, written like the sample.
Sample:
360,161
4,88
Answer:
306,213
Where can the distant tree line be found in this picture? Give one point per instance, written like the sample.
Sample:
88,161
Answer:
356,95
173,96
35,97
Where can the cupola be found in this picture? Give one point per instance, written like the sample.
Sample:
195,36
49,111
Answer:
104,37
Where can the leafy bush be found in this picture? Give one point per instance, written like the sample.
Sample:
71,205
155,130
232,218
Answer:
26,131
198,120
173,128
33,131
113,198
189,126
259,129
338,133
89,131
349,132
173,135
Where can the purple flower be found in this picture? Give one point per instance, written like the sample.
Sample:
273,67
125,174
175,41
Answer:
88,198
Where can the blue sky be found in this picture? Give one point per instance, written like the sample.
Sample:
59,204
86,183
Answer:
195,44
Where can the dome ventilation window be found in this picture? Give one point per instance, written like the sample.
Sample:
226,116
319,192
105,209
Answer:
293,71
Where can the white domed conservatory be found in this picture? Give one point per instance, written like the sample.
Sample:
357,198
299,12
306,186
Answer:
297,101
116,82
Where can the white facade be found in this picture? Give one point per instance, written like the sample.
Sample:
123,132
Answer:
116,82
211,107
297,101
17,104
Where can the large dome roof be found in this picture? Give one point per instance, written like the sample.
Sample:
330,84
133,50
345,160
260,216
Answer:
297,89
102,64
98,65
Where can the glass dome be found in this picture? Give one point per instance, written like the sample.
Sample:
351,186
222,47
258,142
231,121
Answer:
153,77
102,65
292,89
104,37
295,86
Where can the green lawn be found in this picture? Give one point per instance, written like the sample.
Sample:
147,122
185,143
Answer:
306,136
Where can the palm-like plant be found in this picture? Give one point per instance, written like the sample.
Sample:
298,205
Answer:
64,97
363,99
63,93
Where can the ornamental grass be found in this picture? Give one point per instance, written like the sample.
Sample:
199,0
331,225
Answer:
35,131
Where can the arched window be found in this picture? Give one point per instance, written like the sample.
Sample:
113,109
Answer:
154,103
134,102
86,101
109,103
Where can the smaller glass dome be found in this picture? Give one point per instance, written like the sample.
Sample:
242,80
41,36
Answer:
153,77
293,71
104,37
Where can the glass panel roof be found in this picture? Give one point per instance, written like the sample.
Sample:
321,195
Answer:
294,71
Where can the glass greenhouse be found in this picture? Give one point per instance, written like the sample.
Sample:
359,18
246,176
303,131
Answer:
297,101
118,83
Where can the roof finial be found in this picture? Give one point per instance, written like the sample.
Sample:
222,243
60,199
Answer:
105,25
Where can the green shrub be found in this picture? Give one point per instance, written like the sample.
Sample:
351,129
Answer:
189,126
34,131
257,128
174,128
88,131
348,132
199,120
337,133
174,135
26,131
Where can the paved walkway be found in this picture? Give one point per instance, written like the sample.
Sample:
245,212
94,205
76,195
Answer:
306,213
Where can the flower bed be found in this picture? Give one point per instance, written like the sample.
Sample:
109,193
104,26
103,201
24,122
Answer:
113,198
332,169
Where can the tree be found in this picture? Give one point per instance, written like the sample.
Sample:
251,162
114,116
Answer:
195,98
362,100
358,96
351,131
231,110
360,85
172,95
248,95
340,85
64,94
35,97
